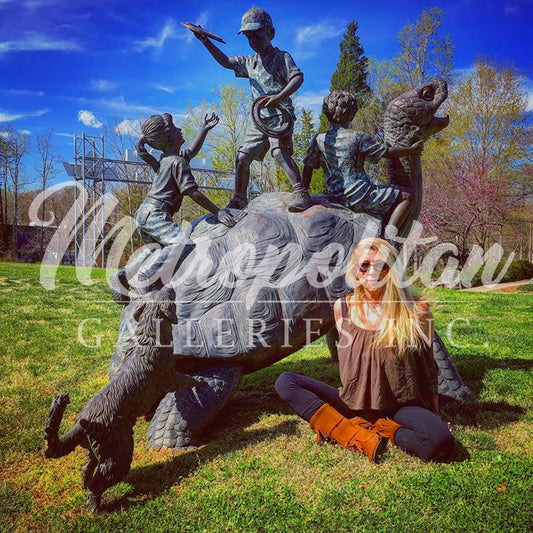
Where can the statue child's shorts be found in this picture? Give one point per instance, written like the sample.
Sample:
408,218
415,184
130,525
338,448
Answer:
155,224
256,144
376,200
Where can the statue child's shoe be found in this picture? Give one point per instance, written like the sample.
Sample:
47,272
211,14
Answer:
301,202
120,287
239,201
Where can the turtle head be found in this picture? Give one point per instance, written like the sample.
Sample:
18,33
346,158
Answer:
411,116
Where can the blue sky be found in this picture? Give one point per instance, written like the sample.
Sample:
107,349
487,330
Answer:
75,66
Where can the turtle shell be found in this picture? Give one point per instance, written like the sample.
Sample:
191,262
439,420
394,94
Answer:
254,293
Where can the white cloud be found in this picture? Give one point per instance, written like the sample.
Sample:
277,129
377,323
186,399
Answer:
103,85
312,101
9,117
530,99
33,42
308,38
171,31
168,32
172,90
6,134
128,127
510,9
165,89
61,134
88,119
120,106
201,20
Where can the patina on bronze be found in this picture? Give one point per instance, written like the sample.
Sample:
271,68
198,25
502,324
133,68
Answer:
283,243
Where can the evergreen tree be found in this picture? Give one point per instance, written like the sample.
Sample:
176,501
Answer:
305,132
351,74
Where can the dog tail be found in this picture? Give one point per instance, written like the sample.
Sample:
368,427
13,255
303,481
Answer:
59,446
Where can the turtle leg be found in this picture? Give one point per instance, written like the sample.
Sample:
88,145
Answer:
450,382
182,416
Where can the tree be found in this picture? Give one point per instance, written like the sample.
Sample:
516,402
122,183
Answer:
5,156
473,168
46,167
19,146
121,139
351,74
305,131
423,52
233,108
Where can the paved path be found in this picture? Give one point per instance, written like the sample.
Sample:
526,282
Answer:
503,287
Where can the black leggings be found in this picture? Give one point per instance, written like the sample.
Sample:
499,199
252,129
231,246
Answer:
424,434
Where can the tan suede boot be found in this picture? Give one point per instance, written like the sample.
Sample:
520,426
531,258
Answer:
387,427
330,424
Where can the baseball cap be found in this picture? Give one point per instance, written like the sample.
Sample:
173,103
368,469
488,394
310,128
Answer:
255,19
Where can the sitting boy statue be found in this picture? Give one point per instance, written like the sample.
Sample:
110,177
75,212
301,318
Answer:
172,182
342,152
271,72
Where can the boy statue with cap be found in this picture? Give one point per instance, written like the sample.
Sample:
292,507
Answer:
271,72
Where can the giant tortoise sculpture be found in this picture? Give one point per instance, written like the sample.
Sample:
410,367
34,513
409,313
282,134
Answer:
250,295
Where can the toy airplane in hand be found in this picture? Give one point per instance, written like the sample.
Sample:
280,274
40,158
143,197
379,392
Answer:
201,31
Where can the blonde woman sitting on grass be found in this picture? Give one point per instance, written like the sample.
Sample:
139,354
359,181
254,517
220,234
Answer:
386,364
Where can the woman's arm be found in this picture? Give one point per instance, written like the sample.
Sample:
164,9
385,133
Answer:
337,314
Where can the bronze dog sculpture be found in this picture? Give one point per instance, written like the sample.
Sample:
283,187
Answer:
105,425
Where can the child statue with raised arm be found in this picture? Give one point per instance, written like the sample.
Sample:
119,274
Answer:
271,72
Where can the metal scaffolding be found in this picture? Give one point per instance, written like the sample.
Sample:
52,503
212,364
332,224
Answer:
91,170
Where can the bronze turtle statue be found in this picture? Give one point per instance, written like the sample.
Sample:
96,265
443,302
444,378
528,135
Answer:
250,295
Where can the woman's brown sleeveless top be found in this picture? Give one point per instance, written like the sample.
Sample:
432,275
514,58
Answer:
380,378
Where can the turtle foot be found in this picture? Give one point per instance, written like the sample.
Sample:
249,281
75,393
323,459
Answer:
183,416
450,382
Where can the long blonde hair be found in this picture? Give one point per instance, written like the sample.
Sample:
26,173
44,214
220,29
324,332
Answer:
401,326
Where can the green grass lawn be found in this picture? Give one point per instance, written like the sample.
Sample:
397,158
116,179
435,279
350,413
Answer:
262,470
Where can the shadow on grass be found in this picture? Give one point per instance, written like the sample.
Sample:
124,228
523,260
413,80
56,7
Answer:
473,368
484,415
151,481
257,397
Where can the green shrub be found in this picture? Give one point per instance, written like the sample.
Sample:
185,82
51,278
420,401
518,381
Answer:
518,270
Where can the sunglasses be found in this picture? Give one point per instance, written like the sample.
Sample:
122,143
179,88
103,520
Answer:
379,266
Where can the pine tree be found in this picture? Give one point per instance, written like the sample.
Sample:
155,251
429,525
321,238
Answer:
351,74
302,139
304,134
